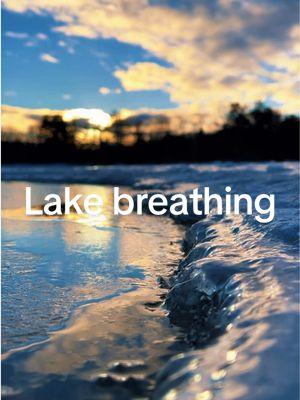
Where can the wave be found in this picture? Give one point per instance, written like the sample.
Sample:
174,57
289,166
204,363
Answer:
231,299
235,293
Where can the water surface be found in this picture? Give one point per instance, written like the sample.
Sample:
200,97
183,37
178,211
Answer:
80,293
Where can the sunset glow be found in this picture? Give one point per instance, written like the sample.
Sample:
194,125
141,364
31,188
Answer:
95,117
88,56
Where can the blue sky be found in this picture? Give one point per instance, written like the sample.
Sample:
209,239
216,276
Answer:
84,65
189,59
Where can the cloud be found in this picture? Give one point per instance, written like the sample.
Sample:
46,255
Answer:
41,36
212,53
104,90
48,58
23,35
67,45
21,121
10,93
90,116
66,96
16,35
30,43
145,76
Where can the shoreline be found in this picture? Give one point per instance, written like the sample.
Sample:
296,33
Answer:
237,277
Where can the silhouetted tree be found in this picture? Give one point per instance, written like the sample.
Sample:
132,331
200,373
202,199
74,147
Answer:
256,134
263,117
118,127
54,131
237,117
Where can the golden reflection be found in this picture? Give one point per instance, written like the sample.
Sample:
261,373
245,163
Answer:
228,327
9,218
194,364
73,237
197,378
172,395
217,375
206,395
82,236
121,327
103,333
231,356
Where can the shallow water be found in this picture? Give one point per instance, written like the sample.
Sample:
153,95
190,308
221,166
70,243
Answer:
232,328
80,293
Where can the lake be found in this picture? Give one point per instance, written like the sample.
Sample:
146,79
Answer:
121,307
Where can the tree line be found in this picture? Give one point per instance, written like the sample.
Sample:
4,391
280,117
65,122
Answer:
254,134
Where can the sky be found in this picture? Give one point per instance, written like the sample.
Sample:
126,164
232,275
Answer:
192,58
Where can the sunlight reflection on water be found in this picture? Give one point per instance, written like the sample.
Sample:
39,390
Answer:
56,267
95,316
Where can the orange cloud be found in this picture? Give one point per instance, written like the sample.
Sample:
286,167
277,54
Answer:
104,90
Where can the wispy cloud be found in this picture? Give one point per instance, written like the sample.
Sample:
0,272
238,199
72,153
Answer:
30,43
16,35
36,39
10,93
66,45
49,58
41,36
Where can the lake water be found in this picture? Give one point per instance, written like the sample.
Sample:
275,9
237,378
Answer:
83,315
